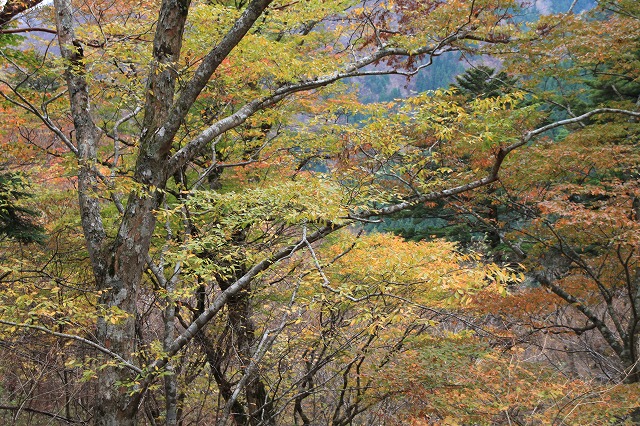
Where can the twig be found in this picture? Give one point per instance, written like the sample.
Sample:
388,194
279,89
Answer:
76,338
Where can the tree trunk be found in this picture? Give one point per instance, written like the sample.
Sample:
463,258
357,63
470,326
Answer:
120,284
259,406
127,256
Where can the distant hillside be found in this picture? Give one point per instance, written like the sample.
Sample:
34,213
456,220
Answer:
442,72
384,88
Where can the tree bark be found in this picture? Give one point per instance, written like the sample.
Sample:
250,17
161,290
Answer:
15,7
259,406
118,266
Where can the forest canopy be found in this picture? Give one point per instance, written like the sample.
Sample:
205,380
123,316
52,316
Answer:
252,212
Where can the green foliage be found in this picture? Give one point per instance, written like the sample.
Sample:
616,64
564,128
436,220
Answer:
484,82
612,87
251,276
17,221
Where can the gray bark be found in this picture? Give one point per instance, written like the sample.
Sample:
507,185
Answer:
118,266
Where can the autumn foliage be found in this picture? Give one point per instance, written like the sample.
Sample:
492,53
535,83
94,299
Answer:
201,221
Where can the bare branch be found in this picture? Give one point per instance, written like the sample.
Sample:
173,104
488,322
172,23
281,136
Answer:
28,30
191,149
580,306
43,413
82,340
25,104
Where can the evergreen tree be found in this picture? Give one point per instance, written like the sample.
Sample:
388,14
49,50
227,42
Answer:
615,84
483,82
16,221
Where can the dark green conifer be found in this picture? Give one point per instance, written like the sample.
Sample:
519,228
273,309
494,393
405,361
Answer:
17,222
483,82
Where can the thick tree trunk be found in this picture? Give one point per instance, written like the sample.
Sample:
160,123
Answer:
119,337
127,257
120,284
118,265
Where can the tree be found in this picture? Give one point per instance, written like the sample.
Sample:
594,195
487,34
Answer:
12,8
16,221
176,271
592,187
576,225
483,81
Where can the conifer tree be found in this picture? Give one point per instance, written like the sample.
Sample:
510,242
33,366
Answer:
483,82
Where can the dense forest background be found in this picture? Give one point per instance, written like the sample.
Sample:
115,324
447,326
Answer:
265,212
